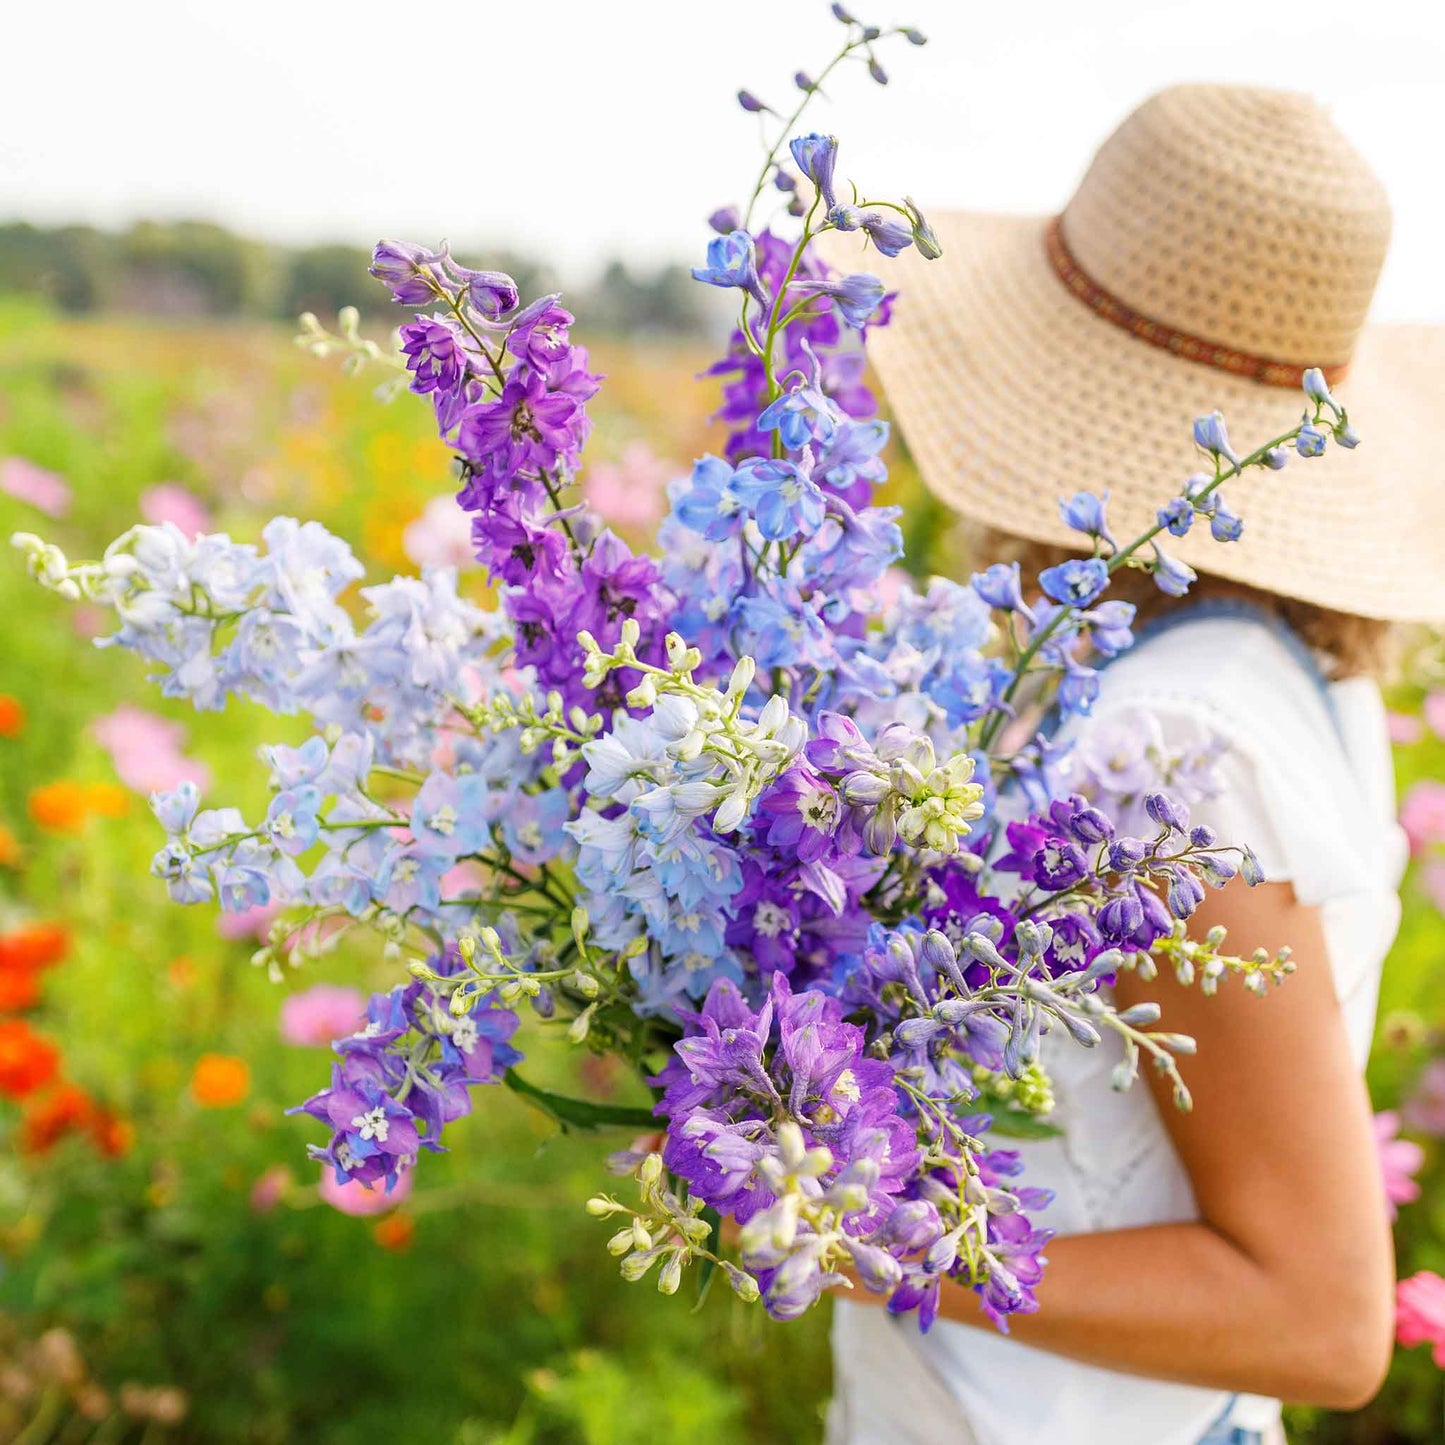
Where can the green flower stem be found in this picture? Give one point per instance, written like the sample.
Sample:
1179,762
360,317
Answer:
1119,559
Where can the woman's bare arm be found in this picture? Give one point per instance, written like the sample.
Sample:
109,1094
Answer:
1284,1285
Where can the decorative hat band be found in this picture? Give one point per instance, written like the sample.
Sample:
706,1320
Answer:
1192,348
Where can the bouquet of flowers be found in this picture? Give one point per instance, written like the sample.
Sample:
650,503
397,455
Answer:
717,811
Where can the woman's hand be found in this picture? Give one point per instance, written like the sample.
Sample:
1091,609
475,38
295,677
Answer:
1284,1285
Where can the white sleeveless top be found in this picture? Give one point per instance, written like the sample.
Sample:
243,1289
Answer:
1313,795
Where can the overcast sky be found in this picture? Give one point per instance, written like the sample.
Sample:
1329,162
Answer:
583,129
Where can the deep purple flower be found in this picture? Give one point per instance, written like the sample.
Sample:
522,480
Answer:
542,339
411,273
802,813
767,915
493,293
437,358
527,426
614,585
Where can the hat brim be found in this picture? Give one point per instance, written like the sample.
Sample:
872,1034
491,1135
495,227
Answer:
1011,392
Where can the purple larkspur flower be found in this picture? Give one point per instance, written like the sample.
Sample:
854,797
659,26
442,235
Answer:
411,273
527,426
858,297
542,339
801,813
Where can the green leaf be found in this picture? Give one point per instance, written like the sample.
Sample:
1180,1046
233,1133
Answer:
708,1267
1012,1123
580,1113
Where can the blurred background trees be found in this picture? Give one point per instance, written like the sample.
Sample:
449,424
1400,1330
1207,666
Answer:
200,269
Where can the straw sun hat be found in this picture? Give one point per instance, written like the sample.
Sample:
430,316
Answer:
1223,239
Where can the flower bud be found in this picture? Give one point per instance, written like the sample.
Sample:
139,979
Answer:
1141,1015
579,1028
1316,387
1168,813
671,1274
744,1285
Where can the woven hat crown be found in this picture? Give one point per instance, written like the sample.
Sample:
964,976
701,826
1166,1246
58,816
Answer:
1238,215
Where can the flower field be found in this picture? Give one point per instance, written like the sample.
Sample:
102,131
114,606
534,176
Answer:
169,1265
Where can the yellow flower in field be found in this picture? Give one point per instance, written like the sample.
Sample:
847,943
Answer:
9,848
220,1081
108,800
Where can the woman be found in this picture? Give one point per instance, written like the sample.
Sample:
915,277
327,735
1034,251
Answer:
1213,1263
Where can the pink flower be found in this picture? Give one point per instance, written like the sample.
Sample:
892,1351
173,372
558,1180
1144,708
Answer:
1400,1159
1424,1110
1422,814
463,879
1403,728
88,620
631,491
43,490
146,751
271,1188
891,585
248,923
362,1199
171,502
440,537
1420,1313
1435,712
320,1014
1432,880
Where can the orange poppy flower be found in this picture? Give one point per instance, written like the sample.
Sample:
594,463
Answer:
27,1061
33,945
220,1081
59,807
56,1113
9,848
111,1135
396,1232
19,989
12,716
